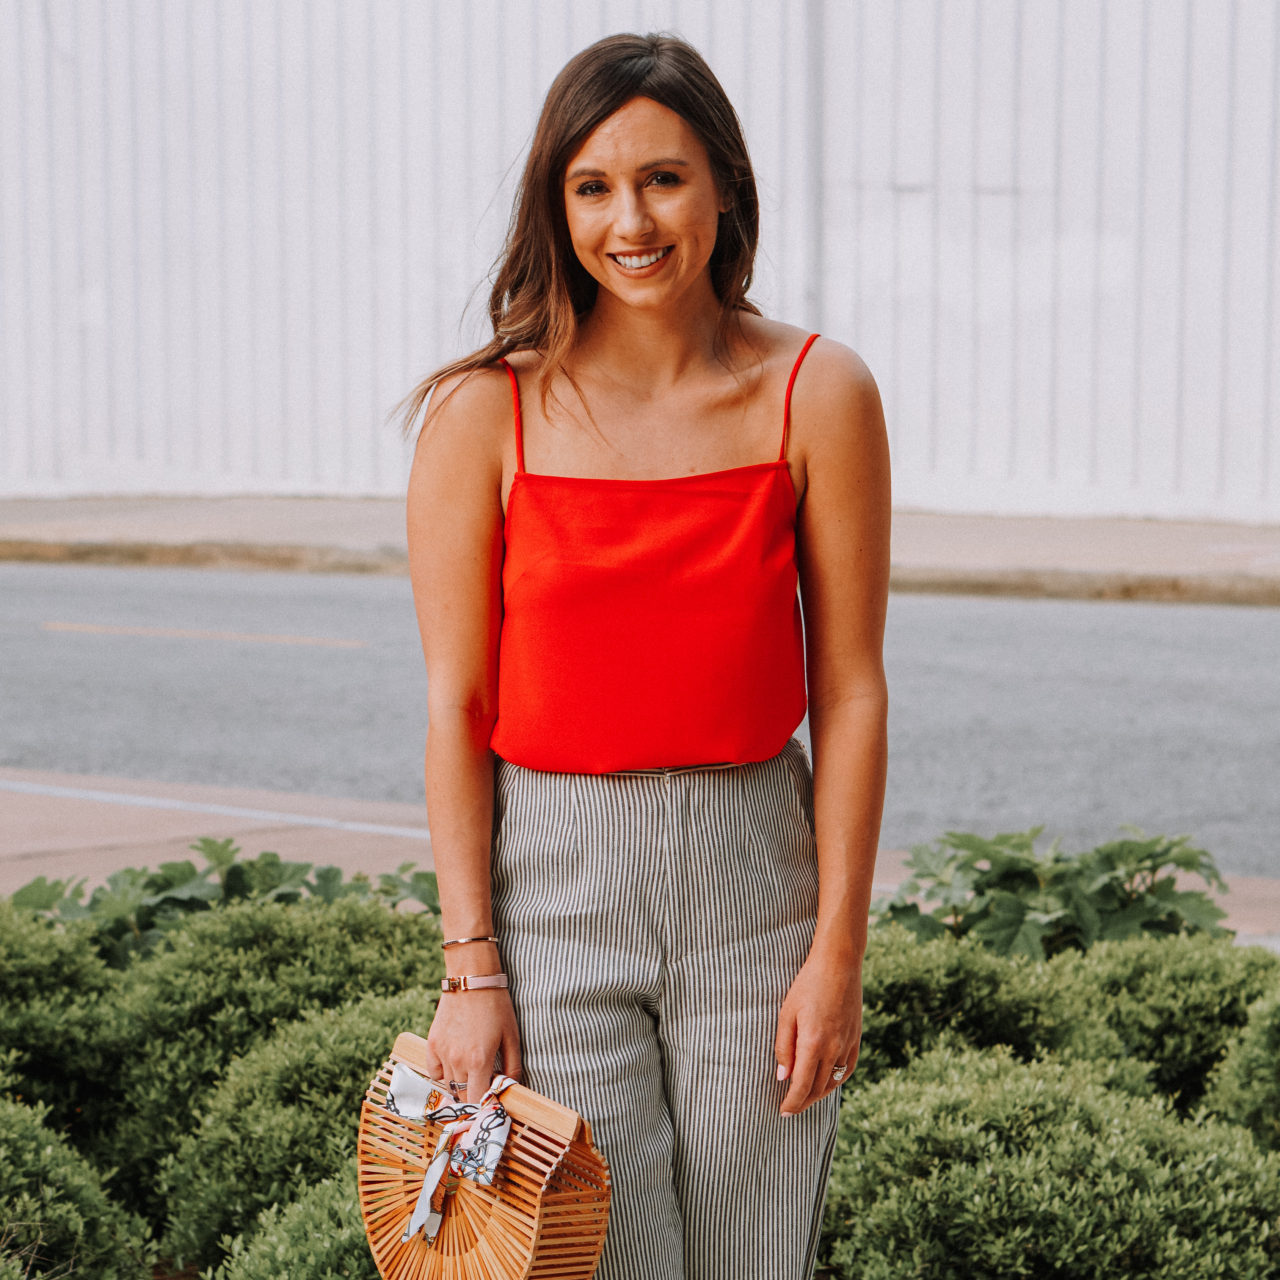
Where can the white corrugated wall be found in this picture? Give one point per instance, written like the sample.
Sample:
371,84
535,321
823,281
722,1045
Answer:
234,232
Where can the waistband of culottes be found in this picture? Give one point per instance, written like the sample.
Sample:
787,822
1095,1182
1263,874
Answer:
691,768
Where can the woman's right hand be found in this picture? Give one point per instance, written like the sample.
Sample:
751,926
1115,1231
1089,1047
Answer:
472,1037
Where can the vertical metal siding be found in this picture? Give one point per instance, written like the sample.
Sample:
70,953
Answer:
234,232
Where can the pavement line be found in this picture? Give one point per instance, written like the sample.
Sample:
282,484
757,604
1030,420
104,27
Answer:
182,633
221,810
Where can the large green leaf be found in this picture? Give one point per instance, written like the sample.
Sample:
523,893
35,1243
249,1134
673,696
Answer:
1010,927
40,894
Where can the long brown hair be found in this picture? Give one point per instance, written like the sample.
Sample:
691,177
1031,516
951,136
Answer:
540,289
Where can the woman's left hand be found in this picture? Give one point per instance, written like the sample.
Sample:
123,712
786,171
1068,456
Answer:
819,1028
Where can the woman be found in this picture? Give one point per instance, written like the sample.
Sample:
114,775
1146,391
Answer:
610,507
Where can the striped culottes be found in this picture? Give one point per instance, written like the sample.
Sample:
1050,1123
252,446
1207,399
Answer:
651,924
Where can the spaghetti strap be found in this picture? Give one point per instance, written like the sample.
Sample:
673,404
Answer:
515,410
791,382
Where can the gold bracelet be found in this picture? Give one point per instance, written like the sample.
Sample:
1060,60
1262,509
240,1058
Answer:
457,942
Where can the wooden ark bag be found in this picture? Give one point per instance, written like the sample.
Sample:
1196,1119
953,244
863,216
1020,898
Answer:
543,1215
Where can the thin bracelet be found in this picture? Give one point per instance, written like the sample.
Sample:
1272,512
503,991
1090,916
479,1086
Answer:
457,942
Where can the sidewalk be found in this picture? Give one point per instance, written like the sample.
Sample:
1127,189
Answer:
1086,558
68,826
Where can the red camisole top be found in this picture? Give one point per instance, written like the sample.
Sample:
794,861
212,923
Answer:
649,623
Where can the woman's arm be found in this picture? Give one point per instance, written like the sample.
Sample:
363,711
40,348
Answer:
454,520
843,556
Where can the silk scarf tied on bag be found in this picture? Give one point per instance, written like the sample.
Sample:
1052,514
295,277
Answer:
470,1144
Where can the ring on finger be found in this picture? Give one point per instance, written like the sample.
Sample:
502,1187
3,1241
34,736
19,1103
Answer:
838,1073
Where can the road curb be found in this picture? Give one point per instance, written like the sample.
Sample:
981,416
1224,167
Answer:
1069,584
207,555
1061,584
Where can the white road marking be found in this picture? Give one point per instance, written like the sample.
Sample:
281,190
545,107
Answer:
221,810
184,633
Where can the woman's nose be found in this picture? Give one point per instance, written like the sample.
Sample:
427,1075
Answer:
633,215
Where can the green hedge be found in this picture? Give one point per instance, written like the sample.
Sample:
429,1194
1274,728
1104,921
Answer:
915,992
53,986
320,1236
39,959
974,1165
55,1217
1158,1012
228,979
1176,1002
240,1048
283,1119
1246,1086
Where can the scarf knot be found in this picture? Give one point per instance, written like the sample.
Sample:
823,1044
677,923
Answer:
471,1142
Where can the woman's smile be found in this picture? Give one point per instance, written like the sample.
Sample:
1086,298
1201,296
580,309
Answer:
645,263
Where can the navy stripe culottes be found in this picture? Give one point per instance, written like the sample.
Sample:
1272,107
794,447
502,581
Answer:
651,923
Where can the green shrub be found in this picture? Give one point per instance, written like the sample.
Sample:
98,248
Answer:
55,1217
39,960
1174,1002
53,986
1015,901
227,979
283,1119
10,1081
1245,1087
320,1236
915,993
129,915
972,1164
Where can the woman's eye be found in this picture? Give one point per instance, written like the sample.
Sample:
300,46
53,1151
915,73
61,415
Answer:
589,189
664,178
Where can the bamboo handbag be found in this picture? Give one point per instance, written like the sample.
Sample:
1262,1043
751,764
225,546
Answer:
428,1212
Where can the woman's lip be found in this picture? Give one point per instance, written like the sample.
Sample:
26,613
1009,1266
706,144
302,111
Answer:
665,251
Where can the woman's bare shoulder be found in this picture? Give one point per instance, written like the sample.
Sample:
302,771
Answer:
462,453
471,412
770,341
837,372
835,394
777,341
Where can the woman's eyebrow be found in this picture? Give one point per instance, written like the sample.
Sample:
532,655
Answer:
666,162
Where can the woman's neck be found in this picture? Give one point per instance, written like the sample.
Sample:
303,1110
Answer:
649,349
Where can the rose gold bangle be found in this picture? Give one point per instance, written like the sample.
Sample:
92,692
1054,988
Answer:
457,942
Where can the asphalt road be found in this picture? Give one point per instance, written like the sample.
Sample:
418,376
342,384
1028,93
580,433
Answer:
1005,713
